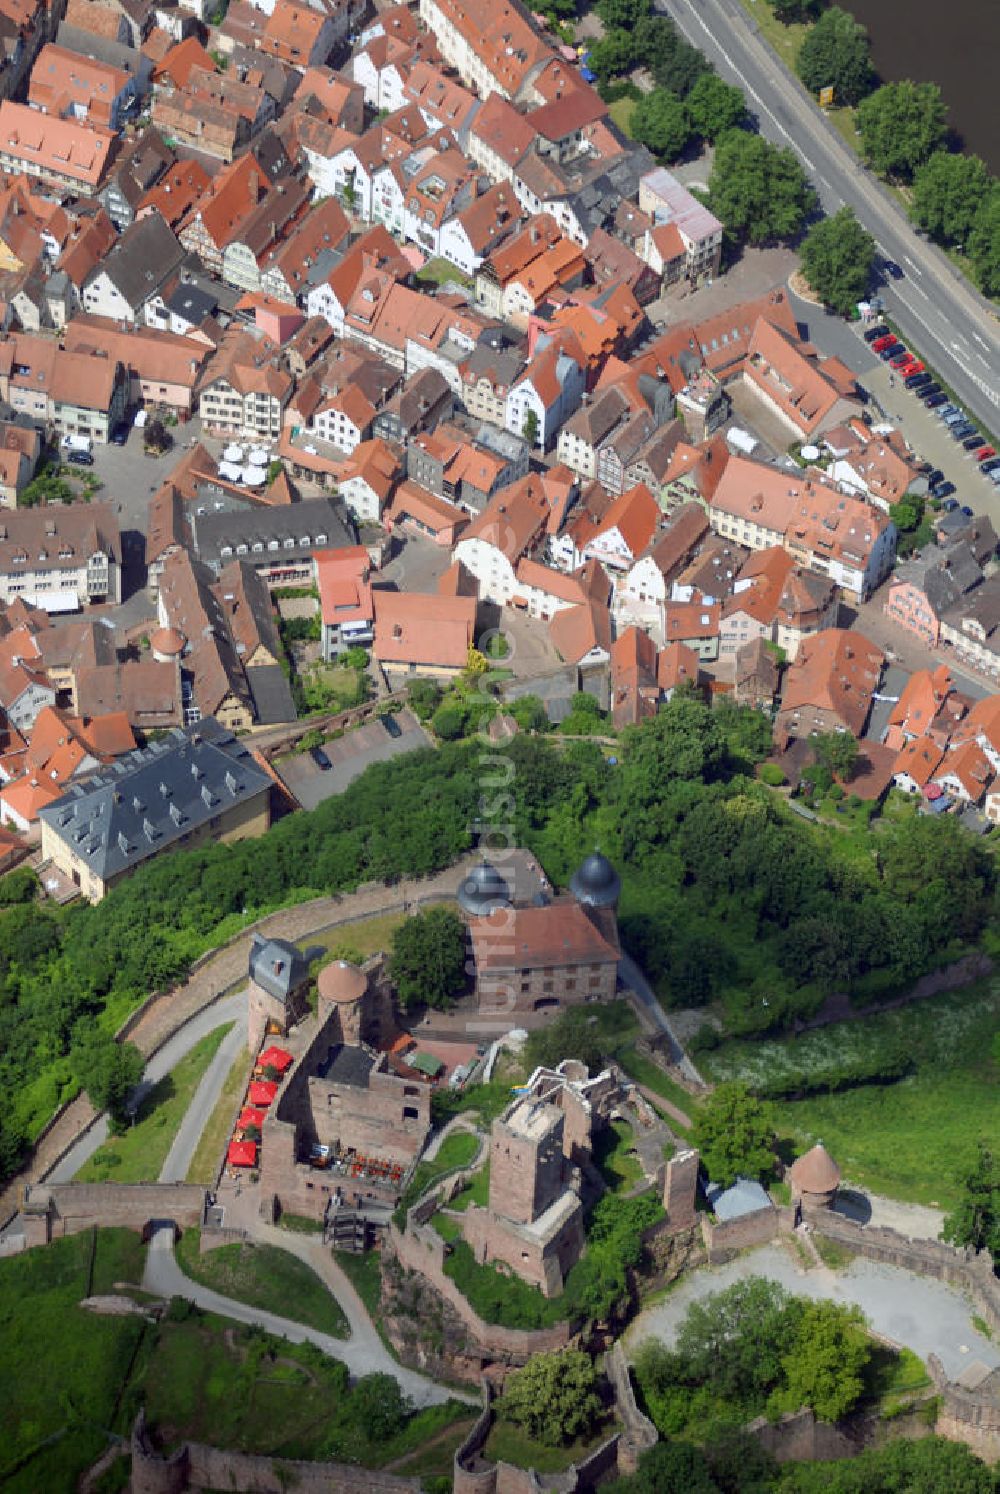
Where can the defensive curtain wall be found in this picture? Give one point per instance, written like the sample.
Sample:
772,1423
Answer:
216,973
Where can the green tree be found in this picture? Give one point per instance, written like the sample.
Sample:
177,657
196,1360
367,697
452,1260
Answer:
983,243
835,54
759,191
529,712
427,963
668,1468
837,751
660,121
622,15
948,191
424,696
378,1407
612,55
530,428
554,1398
733,1341
790,11
450,721
715,107
108,1071
18,886
975,1221
735,1134
837,258
156,437
572,1034
825,1366
356,658
929,1466
901,126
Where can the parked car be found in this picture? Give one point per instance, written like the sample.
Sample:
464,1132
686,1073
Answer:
80,458
942,489
918,382
951,505
873,334
901,361
320,758
917,367
973,442
962,431
954,418
892,351
120,434
883,341
392,726
934,401
890,267
986,454
968,512
946,410
934,476
991,466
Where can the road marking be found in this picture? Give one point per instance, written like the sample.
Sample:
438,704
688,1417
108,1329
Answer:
915,268
980,341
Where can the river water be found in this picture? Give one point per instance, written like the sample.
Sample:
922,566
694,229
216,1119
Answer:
956,46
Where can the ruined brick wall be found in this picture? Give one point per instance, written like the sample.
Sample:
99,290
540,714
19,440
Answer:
962,1268
423,1250
78,1206
725,1239
680,1190
540,1263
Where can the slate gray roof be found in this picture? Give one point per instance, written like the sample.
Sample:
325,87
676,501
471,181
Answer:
346,1064
149,799
191,302
277,966
315,523
272,696
146,255
746,1196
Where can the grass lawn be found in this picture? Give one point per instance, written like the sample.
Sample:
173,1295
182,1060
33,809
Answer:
365,1274
61,1367
457,1150
138,1155
366,937
621,112
615,1157
786,40
440,272
892,1377
476,1191
509,1443
447,1226
906,1138
264,1276
205,1162
644,1071
437,1456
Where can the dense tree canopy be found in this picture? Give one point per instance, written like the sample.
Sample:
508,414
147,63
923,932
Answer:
715,107
835,54
660,121
735,1134
901,126
929,1466
976,1220
554,1398
760,192
825,1362
427,964
837,258
948,191
983,245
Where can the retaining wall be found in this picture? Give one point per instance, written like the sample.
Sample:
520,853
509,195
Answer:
194,1465
69,1208
420,1248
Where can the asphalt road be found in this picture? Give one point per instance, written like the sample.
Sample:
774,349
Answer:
229,1009
947,320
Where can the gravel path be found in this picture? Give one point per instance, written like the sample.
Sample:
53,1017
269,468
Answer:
924,1315
363,1353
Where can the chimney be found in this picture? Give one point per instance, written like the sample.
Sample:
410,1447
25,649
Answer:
253,189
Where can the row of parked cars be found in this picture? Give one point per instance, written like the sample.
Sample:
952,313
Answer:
919,382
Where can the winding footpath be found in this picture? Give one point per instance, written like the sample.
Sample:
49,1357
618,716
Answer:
363,1353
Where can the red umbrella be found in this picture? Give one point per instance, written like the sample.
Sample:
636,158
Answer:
275,1058
250,1117
262,1092
242,1153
